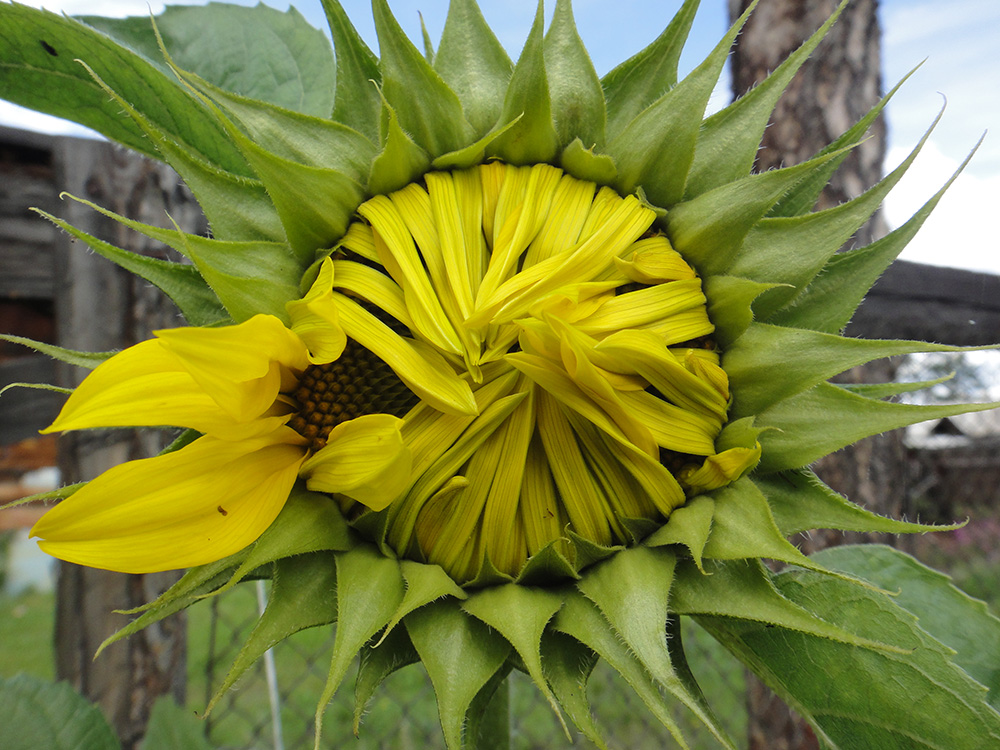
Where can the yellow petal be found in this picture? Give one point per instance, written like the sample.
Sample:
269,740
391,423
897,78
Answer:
314,318
194,506
239,366
721,469
364,459
146,386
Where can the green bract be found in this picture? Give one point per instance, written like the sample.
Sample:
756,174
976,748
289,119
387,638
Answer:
282,168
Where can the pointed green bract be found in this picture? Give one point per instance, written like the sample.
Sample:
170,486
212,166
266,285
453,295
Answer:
392,652
357,102
578,107
90,360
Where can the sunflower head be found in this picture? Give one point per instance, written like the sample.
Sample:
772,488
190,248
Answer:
534,354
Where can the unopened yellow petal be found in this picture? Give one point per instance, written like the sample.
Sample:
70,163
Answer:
721,469
364,459
314,318
194,506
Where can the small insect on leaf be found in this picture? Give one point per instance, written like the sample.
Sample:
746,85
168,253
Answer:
222,510
48,48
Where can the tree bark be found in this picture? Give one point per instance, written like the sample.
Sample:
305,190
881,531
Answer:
100,307
831,92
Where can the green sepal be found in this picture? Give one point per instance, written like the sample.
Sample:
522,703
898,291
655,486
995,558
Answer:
533,138
729,140
261,52
800,501
709,230
689,525
60,493
424,584
247,277
520,614
428,110
547,565
584,164
474,64
236,207
461,656
581,619
743,528
369,590
867,698
393,652
730,305
474,153
888,390
945,612
428,43
568,665
308,522
738,433
37,387
742,590
646,76
54,82
575,91
807,357
674,119
638,614
588,552
802,198
400,162
846,418
795,249
303,595
182,283
90,360
357,103
830,301
304,139
314,204
479,723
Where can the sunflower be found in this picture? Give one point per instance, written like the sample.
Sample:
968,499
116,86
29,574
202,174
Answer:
559,373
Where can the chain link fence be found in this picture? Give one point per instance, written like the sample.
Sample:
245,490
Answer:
273,705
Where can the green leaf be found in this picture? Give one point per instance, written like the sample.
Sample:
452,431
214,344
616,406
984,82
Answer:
532,139
271,55
728,142
369,590
675,118
183,284
39,714
474,64
358,103
303,595
689,525
575,90
461,656
39,69
824,419
915,698
942,610
61,493
520,613
807,358
801,502
424,584
730,301
642,79
428,110
90,360
172,727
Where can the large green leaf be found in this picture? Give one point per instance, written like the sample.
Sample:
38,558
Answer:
913,698
172,727
944,611
39,714
39,68
260,52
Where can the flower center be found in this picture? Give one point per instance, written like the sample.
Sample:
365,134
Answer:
583,337
356,384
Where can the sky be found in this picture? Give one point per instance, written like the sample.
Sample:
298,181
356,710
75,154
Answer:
956,42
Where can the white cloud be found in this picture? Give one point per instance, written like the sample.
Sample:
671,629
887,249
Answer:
962,230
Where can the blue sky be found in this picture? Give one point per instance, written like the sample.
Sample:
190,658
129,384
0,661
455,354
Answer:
957,41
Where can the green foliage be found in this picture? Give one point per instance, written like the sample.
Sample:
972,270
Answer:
40,714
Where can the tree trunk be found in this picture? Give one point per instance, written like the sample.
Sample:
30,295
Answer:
831,92
100,307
